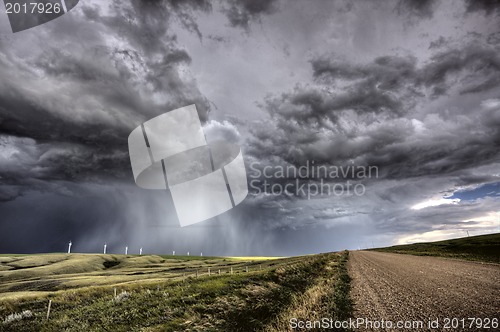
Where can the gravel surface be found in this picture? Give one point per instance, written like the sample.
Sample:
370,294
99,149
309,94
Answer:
407,289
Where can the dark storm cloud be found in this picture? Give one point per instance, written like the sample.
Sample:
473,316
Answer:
368,85
418,8
440,42
487,7
186,12
28,160
378,113
241,13
77,130
145,22
479,64
9,193
154,50
494,38
315,122
393,84
468,179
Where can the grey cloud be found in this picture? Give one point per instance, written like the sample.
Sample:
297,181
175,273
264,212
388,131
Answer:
78,128
366,114
240,13
480,63
487,7
419,8
450,217
384,90
311,118
477,62
440,42
147,22
426,114
468,178
186,10
493,38
10,193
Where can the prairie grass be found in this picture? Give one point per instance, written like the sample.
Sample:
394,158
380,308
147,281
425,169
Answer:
484,248
162,293
327,298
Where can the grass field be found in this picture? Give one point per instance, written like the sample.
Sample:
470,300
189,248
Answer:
169,293
484,248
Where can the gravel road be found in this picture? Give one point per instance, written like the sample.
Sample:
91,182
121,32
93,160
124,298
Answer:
407,289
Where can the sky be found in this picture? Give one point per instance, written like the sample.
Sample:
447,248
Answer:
408,88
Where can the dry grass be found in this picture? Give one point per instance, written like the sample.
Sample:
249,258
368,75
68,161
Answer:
162,292
255,258
320,300
38,274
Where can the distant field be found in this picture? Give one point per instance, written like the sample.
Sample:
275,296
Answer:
55,272
479,248
168,293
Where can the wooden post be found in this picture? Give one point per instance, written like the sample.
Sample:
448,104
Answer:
260,267
115,292
231,270
219,271
196,273
246,268
209,272
48,310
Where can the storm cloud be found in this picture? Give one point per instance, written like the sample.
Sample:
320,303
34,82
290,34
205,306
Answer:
409,87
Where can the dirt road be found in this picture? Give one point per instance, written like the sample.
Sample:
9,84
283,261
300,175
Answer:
405,289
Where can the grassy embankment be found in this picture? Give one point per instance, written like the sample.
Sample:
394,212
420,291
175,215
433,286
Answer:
164,293
484,248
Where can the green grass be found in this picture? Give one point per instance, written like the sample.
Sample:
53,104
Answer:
484,248
163,292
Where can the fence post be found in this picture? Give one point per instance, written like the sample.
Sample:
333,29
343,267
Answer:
231,270
196,273
48,310
219,271
115,292
246,268
209,272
